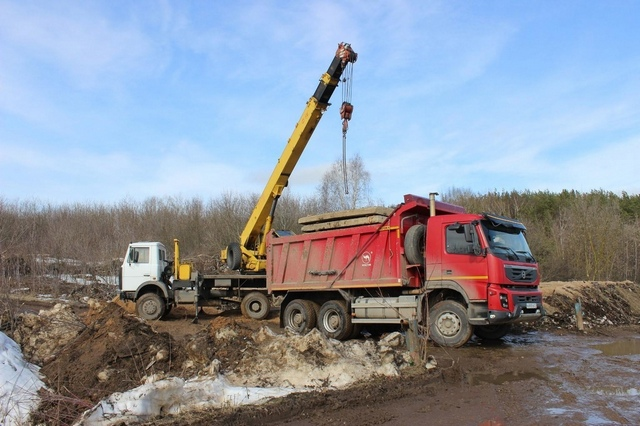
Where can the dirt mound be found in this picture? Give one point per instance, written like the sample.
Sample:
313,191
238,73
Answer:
603,303
42,336
313,361
89,356
113,352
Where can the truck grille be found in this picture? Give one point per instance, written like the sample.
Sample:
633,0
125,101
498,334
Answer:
521,274
520,299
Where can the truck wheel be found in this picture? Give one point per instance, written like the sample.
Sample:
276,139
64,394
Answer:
150,306
234,256
167,310
300,316
334,320
255,305
414,244
492,332
449,325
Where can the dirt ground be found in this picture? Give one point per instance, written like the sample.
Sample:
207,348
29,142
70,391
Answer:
545,373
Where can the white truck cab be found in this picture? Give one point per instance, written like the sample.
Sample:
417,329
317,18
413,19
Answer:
156,283
145,261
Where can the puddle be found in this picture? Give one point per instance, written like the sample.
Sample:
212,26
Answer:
500,379
620,348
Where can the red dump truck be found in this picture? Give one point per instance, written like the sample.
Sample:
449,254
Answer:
455,273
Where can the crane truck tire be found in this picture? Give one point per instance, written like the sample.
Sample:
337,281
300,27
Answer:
234,256
150,306
414,244
334,320
492,332
449,325
255,305
300,316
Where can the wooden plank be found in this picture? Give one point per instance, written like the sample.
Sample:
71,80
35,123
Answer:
345,214
344,223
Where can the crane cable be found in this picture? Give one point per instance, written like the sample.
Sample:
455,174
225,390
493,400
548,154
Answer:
346,109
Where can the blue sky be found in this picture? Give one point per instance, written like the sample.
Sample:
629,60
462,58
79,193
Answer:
102,101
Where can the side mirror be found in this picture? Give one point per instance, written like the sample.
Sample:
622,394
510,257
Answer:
468,233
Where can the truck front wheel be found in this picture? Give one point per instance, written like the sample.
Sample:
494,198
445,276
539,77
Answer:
255,305
334,320
150,306
449,324
300,316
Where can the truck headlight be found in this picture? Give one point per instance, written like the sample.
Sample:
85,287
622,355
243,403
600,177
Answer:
504,301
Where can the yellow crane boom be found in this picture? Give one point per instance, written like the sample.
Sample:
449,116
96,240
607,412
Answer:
250,252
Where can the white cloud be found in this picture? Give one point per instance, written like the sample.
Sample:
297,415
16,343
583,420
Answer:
75,38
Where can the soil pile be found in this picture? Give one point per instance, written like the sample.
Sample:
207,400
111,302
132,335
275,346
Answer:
313,361
602,303
43,335
113,352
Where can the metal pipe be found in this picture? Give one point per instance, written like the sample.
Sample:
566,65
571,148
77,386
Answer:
432,203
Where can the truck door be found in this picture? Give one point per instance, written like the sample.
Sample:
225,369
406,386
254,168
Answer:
463,260
137,268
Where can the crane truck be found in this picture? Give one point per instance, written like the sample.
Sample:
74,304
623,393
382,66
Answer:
156,283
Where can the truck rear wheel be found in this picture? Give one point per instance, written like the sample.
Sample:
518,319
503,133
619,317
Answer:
414,244
255,305
492,332
334,320
300,316
150,306
449,325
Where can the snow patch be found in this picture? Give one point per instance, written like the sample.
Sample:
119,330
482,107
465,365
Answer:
173,396
19,384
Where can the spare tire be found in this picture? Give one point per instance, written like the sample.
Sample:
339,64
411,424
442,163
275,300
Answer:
414,244
234,256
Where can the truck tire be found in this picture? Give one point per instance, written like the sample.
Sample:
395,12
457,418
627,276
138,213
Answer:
255,305
449,325
414,244
234,256
150,306
300,316
492,332
167,310
334,320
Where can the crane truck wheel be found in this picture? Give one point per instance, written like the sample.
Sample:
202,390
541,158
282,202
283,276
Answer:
414,244
150,306
334,320
255,305
234,256
449,325
492,332
300,316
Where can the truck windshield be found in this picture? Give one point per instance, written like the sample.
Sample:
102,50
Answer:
507,242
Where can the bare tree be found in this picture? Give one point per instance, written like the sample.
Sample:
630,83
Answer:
332,193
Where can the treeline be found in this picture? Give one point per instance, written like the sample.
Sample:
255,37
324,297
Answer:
583,236
38,238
